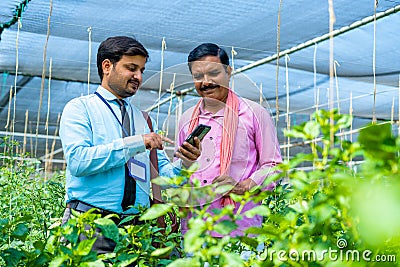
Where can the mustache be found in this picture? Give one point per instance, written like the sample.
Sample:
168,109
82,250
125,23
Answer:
204,88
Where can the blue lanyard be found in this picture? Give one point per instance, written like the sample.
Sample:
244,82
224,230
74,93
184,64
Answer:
112,111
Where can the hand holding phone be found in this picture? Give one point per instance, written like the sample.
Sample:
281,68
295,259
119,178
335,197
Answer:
189,155
200,131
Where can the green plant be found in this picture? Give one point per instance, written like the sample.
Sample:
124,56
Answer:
333,208
311,212
29,205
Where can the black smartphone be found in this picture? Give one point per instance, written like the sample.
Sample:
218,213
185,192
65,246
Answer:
200,131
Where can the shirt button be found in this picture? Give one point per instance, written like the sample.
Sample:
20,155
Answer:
208,160
205,181
211,138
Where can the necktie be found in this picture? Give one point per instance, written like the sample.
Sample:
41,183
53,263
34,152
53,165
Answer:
130,183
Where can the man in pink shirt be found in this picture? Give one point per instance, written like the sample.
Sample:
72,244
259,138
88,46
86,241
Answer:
241,147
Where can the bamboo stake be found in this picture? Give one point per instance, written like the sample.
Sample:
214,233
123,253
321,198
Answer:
163,47
171,87
46,164
43,74
374,64
54,141
9,109
287,59
392,112
25,129
90,57
332,20
351,114
315,73
261,94
16,75
233,54
337,95
337,85
278,48
351,123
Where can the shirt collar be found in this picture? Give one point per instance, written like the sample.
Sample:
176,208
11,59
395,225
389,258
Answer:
108,95
205,112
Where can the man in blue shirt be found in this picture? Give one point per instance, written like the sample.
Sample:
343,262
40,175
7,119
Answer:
107,141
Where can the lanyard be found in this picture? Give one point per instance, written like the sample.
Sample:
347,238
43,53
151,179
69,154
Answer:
112,111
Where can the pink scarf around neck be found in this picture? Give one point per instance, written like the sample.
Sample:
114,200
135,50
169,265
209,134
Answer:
228,134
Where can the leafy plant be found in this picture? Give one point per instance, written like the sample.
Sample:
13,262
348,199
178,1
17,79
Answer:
330,207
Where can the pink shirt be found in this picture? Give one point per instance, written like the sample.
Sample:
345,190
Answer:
256,150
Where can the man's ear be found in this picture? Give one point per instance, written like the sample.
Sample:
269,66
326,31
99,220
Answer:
107,66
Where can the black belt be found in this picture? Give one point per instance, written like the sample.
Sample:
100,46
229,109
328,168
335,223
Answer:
84,207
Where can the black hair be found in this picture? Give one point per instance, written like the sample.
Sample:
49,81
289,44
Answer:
113,48
208,49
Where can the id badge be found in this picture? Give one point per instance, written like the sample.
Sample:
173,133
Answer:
137,170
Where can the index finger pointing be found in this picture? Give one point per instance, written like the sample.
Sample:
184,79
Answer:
166,139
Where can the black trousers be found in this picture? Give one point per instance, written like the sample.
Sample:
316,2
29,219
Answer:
101,245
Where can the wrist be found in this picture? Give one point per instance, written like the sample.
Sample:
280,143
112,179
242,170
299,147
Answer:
245,186
186,163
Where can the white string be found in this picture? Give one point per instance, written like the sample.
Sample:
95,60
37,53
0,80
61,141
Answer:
90,57
171,87
15,83
287,59
163,47
315,73
374,64
337,85
46,164
43,75
233,54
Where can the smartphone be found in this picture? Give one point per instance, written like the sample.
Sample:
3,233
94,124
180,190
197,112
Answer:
200,131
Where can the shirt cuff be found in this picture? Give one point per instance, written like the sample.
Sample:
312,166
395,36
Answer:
177,164
133,145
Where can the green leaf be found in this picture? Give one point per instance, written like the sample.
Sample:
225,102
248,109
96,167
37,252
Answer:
39,245
258,210
20,232
192,262
98,263
297,132
161,251
236,198
222,189
376,139
42,260
108,228
12,256
249,241
265,230
156,211
193,239
344,121
84,247
311,129
58,261
231,260
225,227
70,231
125,259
